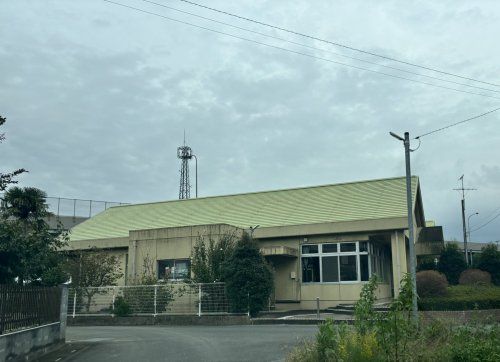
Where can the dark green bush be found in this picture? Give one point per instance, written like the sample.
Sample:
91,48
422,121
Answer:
451,263
249,280
463,297
122,308
489,260
431,283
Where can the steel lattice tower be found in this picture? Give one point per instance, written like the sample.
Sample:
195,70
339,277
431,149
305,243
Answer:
185,154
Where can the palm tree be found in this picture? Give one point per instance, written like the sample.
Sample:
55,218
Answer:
24,204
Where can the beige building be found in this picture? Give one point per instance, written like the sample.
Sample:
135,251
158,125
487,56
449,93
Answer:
323,241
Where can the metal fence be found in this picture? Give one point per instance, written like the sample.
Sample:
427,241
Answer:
28,306
168,298
60,206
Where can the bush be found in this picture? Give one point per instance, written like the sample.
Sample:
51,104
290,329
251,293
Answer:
474,277
122,308
431,283
248,278
464,297
489,260
451,263
426,263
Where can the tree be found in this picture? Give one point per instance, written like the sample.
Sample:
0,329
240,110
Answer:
489,260
8,178
28,247
248,278
208,257
147,294
451,263
90,269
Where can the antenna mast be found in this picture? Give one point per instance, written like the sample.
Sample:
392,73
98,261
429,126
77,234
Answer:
185,154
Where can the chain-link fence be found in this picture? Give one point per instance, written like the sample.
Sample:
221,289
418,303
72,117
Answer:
169,298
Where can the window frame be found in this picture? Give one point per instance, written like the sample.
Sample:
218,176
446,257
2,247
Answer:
320,254
175,261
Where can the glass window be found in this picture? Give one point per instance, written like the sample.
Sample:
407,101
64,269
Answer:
363,246
309,249
172,269
346,247
329,248
348,268
310,269
330,265
363,261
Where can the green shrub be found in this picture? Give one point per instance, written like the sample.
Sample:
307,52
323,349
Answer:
393,336
476,344
474,277
489,260
431,283
464,297
122,308
451,263
248,278
364,312
426,263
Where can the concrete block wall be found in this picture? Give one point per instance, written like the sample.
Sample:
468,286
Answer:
29,344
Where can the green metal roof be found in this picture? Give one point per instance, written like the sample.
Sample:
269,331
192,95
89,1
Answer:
364,200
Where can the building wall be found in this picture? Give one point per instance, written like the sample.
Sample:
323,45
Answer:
288,275
177,243
168,243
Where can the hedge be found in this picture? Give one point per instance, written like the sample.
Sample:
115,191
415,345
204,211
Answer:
462,297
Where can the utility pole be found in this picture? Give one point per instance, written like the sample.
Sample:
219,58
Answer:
409,203
464,227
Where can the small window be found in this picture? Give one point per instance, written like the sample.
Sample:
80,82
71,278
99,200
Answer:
173,269
363,261
347,247
309,249
329,248
330,265
363,246
348,268
310,269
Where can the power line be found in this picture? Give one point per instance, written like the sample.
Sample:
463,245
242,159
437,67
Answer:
319,49
335,43
486,223
457,123
299,53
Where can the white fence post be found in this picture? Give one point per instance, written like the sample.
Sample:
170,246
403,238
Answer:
74,303
113,302
156,292
317,308
199,300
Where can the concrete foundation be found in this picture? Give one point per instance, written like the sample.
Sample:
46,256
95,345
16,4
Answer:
30,344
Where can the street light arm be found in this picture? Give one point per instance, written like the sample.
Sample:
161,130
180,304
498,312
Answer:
396,136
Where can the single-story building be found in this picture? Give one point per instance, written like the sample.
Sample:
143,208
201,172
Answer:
322,241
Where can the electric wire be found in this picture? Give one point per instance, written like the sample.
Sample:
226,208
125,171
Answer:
316,48
456,123
486,223
297,52
335,43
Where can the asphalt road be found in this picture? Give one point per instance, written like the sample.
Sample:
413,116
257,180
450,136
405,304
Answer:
191,343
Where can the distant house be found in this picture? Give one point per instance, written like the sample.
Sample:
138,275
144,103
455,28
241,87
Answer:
323,241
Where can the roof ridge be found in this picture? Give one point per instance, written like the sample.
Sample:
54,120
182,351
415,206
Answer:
261,192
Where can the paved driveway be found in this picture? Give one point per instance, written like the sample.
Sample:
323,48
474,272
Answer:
192,343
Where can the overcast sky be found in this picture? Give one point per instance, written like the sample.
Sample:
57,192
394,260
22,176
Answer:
97,97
